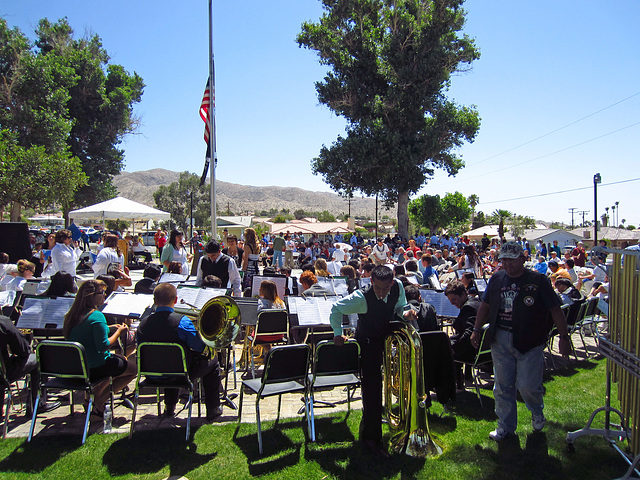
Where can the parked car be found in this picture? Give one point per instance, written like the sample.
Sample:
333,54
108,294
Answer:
148,239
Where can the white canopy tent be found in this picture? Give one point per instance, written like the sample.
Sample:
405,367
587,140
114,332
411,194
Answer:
119,208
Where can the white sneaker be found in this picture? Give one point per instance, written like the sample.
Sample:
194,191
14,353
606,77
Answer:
538,422
499,434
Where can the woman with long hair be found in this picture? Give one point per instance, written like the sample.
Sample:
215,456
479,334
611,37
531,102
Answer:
108,255
251,257
85,324
269,299
470,259
174,251
321,268
62,285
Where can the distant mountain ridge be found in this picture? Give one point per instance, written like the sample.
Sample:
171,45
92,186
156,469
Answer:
140,186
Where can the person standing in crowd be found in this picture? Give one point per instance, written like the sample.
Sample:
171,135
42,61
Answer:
65,255
517,304
579,255
174,251
251,257
109,254
279,247
214,262
376,306
381,253
164,325
233,250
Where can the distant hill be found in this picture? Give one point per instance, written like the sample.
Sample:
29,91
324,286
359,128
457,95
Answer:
140,186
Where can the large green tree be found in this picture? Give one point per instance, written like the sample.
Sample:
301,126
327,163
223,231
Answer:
176,199
451,212
61,93
390,65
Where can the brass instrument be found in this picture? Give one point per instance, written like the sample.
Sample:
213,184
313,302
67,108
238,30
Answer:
404,393
217,322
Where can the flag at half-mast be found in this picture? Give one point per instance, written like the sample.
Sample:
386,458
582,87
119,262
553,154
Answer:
208,100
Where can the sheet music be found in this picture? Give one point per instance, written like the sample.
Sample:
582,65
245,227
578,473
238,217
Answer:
364,281
31,287
312,310
481,284
198,296
38,312
7,298
127,304
413,280
257,280
172,278
440,302
334,267
435,282
340,286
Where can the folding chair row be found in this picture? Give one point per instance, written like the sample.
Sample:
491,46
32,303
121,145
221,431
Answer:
287,371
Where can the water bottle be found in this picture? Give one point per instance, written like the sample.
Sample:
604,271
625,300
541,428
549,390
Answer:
107,419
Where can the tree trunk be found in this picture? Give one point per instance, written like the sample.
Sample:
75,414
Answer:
16,209
403,214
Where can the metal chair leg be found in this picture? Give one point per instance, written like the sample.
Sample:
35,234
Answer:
259,426
33,417
135,409
240,406
86,420
189,415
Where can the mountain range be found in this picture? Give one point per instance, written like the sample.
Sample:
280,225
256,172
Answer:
247,199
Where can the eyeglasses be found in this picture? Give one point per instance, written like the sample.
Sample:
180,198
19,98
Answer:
101,293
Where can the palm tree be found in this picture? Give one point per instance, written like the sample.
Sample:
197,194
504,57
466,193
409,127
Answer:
501,216
473,201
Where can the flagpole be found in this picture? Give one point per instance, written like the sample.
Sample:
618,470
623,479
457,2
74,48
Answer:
212,127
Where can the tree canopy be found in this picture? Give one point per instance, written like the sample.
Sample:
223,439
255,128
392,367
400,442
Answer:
390,65
61,93
176,199
452,212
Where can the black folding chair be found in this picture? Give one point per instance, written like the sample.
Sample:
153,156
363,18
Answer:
163,365
483,357
63,366
334,366
285,371
8,383
270,323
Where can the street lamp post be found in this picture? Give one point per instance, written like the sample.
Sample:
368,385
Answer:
596,180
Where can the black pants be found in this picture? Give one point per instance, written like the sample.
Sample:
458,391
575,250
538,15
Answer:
371,351
209,372
18,368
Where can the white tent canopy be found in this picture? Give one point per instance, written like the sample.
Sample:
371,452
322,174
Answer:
119,208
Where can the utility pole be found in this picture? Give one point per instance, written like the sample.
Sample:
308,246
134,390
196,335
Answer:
571,211
583,213
596,180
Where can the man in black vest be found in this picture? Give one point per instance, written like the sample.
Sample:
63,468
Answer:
378,304
222,266
517,304
166,326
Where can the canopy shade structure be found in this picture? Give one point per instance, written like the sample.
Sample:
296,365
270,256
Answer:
119,208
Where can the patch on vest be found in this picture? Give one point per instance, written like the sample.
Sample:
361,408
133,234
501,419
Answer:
529,301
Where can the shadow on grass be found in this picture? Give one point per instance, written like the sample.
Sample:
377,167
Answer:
39,454
151,450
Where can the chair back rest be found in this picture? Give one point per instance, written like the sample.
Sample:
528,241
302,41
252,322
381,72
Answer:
62,359
287,363
592,305
333,360
484,350
271,322
159,358
573,313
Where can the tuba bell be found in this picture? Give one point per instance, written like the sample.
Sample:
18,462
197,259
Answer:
405,396
217,322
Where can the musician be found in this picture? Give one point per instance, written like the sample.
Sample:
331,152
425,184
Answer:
233,250
517,303
19,362
174,251
311,287
85,324
65,255
166,326
222,266
383,301
147,284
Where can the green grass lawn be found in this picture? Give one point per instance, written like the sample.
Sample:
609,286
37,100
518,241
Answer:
229,451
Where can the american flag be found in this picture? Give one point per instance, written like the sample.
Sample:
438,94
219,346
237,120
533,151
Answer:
204,109
204,114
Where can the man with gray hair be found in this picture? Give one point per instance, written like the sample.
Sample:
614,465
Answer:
517,305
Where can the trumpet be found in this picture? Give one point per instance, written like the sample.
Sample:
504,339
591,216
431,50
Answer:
405,397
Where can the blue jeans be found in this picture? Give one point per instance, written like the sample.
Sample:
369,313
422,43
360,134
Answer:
514,370
277,258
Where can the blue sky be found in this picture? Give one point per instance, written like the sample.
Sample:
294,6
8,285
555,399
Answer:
557,87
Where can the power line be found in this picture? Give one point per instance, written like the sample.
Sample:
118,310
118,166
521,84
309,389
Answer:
549,154
556,130
561,191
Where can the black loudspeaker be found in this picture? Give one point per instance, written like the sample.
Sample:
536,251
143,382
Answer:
14,241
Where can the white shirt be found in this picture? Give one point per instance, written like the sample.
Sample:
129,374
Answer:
235,281
106,256
380,252
64,258
339,255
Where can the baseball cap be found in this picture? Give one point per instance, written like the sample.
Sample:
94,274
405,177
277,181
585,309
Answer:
511,250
